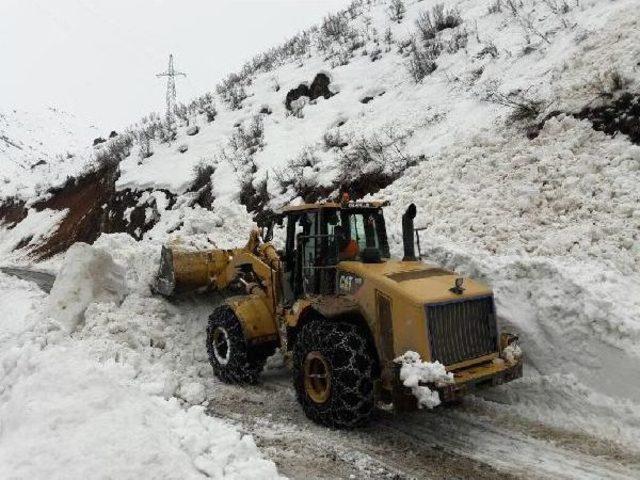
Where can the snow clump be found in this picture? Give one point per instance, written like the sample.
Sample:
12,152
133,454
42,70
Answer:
87,275
512,353
414,371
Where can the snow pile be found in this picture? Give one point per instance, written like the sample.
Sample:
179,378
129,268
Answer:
140,261
70,417
193,393
226,225
549,197
88,275
115,398
414,371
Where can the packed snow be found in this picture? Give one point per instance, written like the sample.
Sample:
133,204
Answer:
115,398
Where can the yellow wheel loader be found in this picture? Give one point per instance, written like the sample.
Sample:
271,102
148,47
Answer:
342,311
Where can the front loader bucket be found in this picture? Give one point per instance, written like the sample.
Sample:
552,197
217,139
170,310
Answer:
188,270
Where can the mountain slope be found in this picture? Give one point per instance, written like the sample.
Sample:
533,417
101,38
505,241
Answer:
40,149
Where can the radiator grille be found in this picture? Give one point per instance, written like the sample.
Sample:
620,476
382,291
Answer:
461,330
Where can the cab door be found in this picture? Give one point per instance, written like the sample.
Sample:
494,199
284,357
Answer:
300,253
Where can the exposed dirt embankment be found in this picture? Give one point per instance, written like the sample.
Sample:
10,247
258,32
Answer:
12,212
93,207
83,198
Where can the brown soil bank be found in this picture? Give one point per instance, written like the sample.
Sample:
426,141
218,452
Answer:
83,198
93,207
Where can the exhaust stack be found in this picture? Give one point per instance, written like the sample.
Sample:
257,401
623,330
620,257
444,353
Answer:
407,234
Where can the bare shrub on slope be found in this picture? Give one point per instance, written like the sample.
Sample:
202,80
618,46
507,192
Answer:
369,164
495,7
144,145
444,19
254,197
526,20
523,106
422,59
232,91
245,141
204,105
333,138
202,183
459,41
430,23
335,28
114,151
338,39
396,10
301,176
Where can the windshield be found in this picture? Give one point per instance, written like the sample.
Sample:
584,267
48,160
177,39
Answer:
353,231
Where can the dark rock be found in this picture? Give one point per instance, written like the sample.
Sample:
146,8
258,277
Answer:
318,88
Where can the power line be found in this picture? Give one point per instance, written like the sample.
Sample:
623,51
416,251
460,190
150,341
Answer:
171,75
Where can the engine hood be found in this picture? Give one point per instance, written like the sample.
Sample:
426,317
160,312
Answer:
418,282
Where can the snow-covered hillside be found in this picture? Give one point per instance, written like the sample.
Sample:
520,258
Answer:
40,149
514,127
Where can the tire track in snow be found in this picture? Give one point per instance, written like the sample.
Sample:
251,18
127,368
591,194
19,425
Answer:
507,449
424,443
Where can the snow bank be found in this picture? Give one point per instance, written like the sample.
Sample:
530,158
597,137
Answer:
414,371
88,275
115,399
71,417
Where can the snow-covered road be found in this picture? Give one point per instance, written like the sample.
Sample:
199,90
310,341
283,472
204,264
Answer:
481,438
44,280
466,441
476,439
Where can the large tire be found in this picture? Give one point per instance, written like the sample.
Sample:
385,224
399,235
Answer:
233,361
342,349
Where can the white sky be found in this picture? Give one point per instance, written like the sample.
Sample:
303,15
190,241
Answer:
98,58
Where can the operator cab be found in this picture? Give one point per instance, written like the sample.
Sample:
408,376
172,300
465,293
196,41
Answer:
319,236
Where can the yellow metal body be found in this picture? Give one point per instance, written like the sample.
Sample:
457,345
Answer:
184,269
197,269
256,317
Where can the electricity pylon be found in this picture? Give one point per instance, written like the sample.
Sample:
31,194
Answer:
171,75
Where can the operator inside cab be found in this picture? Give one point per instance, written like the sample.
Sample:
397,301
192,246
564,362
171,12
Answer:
348,248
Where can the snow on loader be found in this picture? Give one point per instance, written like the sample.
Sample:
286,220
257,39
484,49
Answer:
342,312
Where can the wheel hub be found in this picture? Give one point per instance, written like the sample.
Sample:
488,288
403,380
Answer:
317,377
221,345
